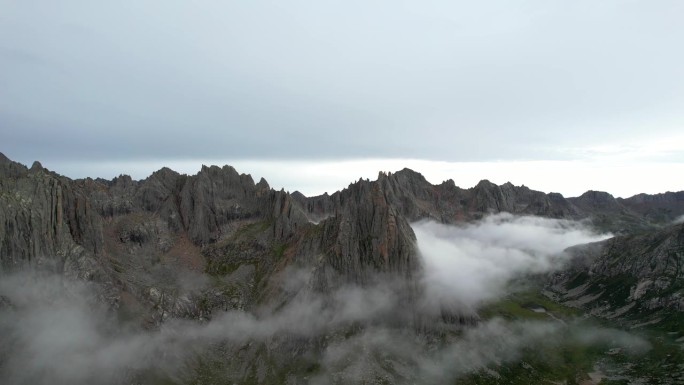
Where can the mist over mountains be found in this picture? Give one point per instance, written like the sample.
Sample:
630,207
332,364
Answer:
214,278
474,263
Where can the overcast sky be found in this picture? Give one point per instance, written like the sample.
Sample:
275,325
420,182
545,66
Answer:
558,95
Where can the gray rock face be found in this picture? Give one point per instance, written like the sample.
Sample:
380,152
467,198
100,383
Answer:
661,208
180,246
634,275
415,198
43,215
214,221
367,232
359,231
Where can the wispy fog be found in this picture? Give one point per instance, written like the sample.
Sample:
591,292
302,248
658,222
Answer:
54,330
490,344
472,263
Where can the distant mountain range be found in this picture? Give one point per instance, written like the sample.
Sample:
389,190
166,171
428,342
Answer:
190,247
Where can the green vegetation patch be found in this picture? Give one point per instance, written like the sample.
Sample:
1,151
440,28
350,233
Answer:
521,305
615,289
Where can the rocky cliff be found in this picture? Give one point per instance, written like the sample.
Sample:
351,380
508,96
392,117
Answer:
636,278
415,198
219,220
176,246
134,236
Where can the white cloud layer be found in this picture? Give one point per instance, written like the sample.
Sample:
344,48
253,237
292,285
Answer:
472,263
56,331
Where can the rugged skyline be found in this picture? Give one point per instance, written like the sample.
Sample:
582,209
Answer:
215,277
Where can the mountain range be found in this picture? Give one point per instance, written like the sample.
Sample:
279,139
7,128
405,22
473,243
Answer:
213,278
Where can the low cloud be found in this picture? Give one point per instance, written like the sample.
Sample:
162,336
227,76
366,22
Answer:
473,263
56,330
402,357
423,360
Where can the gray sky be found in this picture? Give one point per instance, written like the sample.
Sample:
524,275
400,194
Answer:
86,86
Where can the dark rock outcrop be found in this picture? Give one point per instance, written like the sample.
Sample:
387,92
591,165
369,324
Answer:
189,246
368,235
122,231
661,208
44,215
361,230
415,198
632,277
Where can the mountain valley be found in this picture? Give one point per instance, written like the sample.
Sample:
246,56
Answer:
213,278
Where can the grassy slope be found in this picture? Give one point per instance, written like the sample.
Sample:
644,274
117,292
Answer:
567,361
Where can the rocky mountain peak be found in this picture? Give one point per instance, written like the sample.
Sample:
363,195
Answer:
165,172
449,183
137,240
361,229
298,196
407,174
10,169
485,184
598,197
122,181
598,201
36,166
263,184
